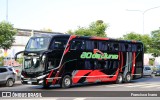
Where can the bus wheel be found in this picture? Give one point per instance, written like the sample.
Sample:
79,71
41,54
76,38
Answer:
119,79
128,78
66,81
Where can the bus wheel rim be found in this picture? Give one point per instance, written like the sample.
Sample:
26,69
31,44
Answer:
120,78
128,77
67,81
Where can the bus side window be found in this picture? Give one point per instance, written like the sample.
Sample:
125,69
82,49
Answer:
134,48
106,65
77,45
95,45
116,46
59,44
110,47
128,47
122,47
89,65
102,46
115,64
139,47
89,45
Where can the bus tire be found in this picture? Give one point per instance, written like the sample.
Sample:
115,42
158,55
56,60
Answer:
66,81
128,78
119,79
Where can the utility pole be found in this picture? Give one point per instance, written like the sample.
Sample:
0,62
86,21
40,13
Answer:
143,15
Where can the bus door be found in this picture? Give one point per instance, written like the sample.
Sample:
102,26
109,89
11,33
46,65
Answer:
128,64
138,71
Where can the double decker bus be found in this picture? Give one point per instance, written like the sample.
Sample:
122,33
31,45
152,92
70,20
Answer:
51,59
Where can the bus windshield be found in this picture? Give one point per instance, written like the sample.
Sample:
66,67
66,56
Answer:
38,44
33,65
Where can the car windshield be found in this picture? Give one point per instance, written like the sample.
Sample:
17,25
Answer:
147,68
38,43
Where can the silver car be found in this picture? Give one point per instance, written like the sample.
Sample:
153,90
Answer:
7,75
147,71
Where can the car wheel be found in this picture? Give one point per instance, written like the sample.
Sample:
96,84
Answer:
128,78
9,83
66,81
119,79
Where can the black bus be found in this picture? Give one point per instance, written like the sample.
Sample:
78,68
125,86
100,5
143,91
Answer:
69,59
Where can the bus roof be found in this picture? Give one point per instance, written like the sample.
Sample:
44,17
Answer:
57,34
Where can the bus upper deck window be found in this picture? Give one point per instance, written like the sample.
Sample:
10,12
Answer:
102,45
139,48
77,45
116,46
59,44
134,47
89,45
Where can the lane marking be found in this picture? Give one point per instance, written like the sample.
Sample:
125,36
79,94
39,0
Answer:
151,86
79,99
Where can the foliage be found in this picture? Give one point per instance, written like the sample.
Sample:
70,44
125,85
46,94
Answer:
95,29
6,35
145,39
151,61
1,61
20,60
155,47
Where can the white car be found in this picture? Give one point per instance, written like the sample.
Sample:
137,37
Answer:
147,71
7,75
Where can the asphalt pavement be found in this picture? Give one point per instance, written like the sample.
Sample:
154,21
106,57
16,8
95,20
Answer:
146,84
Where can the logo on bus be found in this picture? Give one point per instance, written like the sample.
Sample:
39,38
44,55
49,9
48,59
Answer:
96,55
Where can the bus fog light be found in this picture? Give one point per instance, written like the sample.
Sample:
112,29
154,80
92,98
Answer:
41,81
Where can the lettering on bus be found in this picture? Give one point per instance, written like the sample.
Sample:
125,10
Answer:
90,55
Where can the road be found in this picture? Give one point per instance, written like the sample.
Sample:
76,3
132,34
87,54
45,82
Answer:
143,84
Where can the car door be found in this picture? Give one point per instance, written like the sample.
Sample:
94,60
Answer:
3,74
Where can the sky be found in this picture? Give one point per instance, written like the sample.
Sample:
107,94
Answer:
64,15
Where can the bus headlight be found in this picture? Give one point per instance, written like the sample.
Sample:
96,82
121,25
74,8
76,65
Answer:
43,58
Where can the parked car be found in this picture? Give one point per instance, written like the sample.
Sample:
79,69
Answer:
157,73
157,67
7,75
147,71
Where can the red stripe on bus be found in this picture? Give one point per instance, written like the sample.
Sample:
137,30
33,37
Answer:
49,76
79,75
121,62
99,38
133,64
68,45
134,41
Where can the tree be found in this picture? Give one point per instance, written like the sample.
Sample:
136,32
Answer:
145,39
6,35
95,29
155,47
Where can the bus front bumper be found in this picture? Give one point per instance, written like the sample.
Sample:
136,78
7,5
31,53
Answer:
33,81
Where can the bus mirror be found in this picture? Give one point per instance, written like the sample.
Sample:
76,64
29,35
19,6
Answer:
15,57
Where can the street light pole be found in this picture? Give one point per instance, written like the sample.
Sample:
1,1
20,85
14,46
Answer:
7,10
143,13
